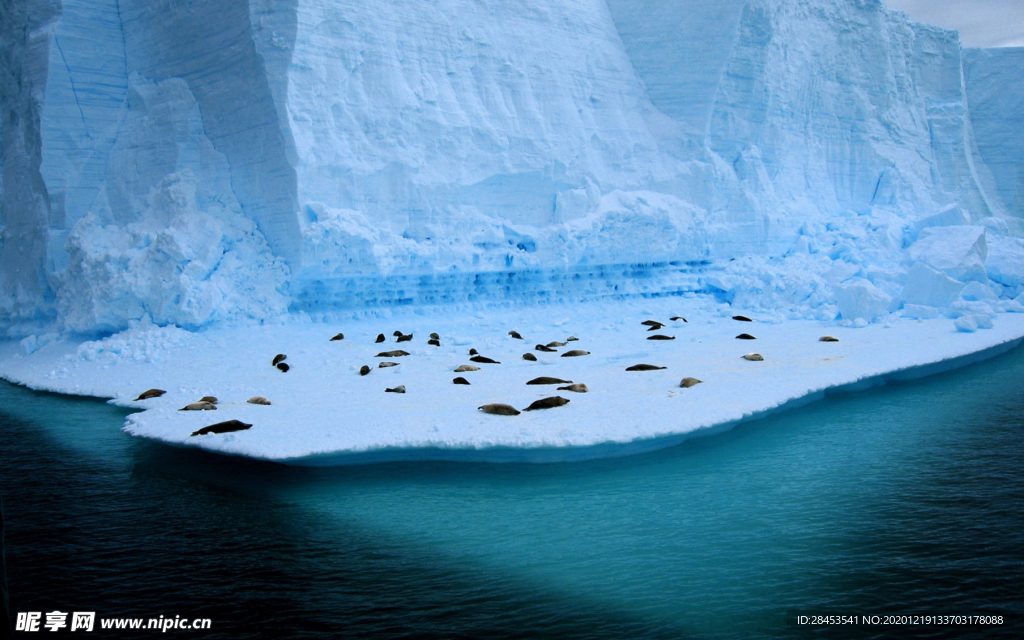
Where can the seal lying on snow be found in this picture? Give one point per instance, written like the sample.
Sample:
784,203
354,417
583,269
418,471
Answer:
199,406
151,393
499,409
223,427
548,380
547,403
644,367
579,387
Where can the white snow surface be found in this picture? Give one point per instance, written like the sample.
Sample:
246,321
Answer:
324,412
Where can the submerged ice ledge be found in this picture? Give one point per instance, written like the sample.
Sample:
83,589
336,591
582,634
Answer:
325,413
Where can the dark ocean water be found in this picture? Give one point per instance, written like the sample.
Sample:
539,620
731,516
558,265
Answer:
904,499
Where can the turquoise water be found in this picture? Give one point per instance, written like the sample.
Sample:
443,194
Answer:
904,499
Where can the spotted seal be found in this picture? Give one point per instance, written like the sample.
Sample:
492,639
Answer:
579,387
199,406
575,353
499,409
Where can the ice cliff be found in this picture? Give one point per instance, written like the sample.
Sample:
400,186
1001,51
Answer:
226,160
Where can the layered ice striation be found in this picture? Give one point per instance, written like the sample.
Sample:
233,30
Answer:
226,160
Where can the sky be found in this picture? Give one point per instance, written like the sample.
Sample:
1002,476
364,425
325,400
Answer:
981,23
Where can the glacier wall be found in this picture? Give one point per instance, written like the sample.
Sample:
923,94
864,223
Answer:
222,160
996,97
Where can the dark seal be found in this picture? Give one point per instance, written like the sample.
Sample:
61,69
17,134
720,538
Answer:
644,367
547,403
223,427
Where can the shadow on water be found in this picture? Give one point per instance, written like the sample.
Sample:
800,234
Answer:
145,530
904,499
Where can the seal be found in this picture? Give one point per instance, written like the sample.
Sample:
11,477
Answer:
678,318
279,358
575,353
199,406
549,380
363,370
462,368
745,336
404,338
689,382
399,389
385,365
515,334
571,339
555,343
460,380
397,334
828,339
434,342
340,336
579,387
742,318
151,393
473,352
547,403
484,360
499,409
283,366
530,357
380,338
434,336
655,327
659,336
545,349
652,323
756,357
223,427
209,399
644,367
258,400
391,354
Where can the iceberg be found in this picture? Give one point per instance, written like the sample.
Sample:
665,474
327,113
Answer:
221,166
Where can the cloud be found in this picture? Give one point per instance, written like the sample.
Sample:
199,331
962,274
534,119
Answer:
981,23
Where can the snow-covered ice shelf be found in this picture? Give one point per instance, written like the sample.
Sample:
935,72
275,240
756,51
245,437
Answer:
324,412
